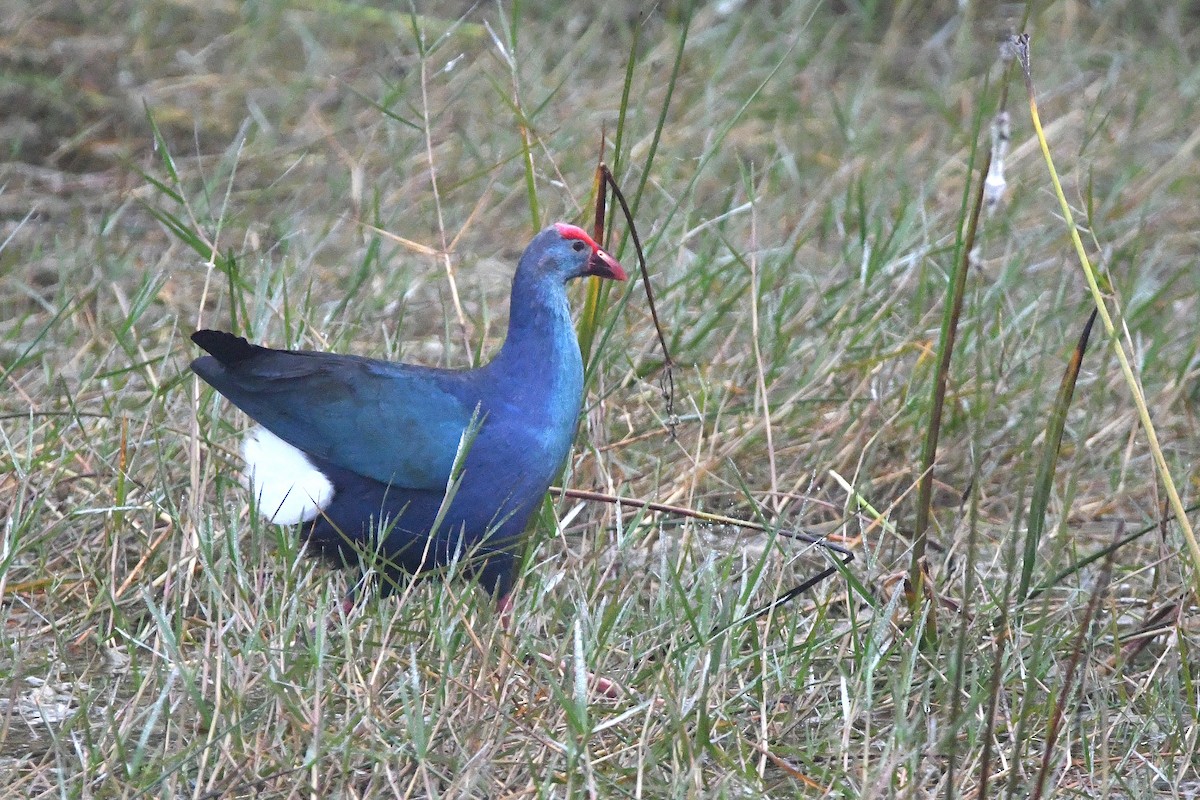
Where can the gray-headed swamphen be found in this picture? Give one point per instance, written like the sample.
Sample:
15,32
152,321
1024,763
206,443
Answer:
360,451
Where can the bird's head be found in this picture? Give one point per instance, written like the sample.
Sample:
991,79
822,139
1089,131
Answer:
566,251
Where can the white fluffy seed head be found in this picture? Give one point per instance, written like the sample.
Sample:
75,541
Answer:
288,487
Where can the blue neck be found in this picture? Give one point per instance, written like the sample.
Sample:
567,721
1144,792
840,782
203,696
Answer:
541,352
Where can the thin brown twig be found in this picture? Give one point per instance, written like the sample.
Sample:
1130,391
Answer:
845,555
703,516
667,387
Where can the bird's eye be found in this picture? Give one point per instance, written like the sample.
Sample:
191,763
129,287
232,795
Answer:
578,246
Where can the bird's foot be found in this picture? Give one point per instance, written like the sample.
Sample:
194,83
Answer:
597,685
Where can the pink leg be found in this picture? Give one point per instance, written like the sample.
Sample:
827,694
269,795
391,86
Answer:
504,607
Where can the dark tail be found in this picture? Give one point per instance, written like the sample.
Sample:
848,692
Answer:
225,347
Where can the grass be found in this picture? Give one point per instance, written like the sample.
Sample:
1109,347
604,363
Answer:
800,216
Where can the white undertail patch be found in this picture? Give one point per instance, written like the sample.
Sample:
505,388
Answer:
288,487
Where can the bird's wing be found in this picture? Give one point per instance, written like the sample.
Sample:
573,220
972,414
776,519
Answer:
396,423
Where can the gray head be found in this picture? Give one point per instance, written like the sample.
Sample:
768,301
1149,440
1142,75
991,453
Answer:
566,251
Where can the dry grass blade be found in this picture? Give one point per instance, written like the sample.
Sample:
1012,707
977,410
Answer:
1159,623
952,310
1043,483
1020,45
1067,687
1001,635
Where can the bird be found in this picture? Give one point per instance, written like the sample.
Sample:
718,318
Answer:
405,467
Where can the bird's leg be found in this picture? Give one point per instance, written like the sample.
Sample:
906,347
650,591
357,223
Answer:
345,605
597,684
504,607
348,602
